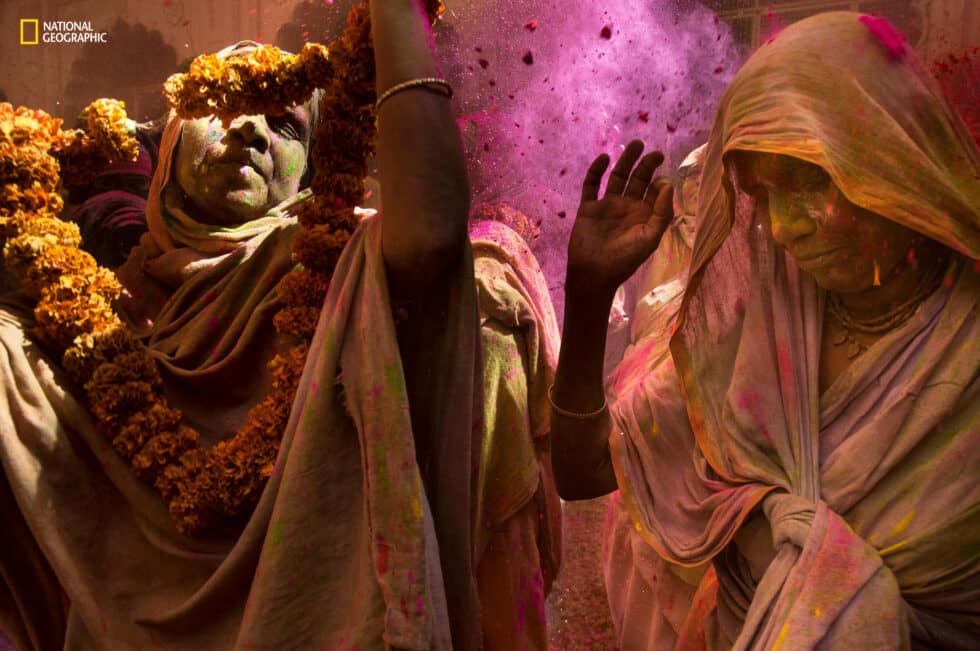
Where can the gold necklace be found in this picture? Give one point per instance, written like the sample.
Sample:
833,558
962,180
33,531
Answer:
893,318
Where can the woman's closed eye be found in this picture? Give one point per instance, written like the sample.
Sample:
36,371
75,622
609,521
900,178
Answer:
287,125
813,178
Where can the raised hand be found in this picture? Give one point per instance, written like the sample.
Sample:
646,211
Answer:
612,236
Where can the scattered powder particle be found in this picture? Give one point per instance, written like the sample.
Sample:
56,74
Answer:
606,32
528,58
531,25
887,35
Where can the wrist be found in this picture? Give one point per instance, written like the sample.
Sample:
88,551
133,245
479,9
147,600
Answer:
582,291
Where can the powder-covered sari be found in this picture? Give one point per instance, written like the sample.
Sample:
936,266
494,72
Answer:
350,546
870,489
518,533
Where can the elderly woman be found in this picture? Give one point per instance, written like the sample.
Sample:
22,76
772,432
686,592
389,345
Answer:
812,430
363,534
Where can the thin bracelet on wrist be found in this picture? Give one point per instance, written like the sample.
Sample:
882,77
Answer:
575,414
433,84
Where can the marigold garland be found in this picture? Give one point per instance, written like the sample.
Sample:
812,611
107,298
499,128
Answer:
205,489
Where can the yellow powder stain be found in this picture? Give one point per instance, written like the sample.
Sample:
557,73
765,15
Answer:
781,638
877,275
816,613
638,527
903,524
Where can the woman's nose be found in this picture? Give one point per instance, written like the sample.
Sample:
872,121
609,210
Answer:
253,131
789,220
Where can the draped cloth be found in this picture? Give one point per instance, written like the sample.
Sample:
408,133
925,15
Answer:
867,490
518,535
328,557
349,545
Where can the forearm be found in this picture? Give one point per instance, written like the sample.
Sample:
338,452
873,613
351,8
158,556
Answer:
423,175
580,452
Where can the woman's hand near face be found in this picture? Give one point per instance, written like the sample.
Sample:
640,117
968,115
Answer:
612,236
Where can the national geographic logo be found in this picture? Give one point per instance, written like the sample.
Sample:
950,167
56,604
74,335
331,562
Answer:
33,32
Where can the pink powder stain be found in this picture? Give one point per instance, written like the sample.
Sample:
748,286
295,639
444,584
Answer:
382,560
887,35
751,401
375,391
420,606
785,363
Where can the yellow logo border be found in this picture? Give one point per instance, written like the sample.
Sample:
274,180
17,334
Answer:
37,30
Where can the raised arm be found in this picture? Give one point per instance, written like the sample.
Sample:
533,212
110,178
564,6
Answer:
423,174
612,236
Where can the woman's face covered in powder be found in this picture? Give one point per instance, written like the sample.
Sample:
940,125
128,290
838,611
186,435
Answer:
237,175
843,246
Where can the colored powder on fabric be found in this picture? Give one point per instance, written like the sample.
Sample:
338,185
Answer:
382,560
903,524
887,35
395,378
275,534
381,457
751,401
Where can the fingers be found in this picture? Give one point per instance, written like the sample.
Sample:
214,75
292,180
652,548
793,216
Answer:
621,173
640,179
660,217
661,199
590,187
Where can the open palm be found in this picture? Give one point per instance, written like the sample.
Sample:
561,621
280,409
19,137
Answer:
612,236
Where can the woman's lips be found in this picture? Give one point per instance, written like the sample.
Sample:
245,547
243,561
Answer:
243,160
816,260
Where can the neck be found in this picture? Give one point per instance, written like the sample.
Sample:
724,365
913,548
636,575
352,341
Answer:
901,284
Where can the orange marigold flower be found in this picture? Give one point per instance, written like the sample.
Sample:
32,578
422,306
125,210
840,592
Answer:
318,248
260,81
113,405
91,349
162,450
128,367
52,229
287,368
303,287
58,323
81,158
299,321
38,262
338,190
178,476
66,287
324,210
30,199
144,425
111,130
314,58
